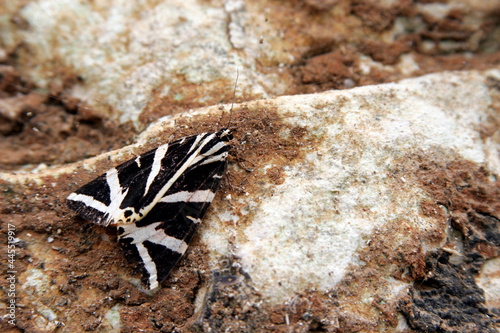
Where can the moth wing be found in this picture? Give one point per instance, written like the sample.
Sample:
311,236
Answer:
100,200
168,189
159,240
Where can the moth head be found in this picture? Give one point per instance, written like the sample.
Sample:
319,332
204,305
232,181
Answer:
127,216
225,135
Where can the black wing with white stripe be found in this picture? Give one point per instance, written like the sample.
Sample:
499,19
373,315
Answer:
157,200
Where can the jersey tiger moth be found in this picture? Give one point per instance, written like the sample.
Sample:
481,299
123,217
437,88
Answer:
157,200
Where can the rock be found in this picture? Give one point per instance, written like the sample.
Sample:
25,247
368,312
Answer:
350,200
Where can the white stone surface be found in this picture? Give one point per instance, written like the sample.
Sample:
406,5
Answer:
112,319
489,280
307,231
125,50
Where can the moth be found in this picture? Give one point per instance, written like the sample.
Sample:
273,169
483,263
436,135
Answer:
157,200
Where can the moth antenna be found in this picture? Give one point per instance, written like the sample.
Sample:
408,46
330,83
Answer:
234,96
